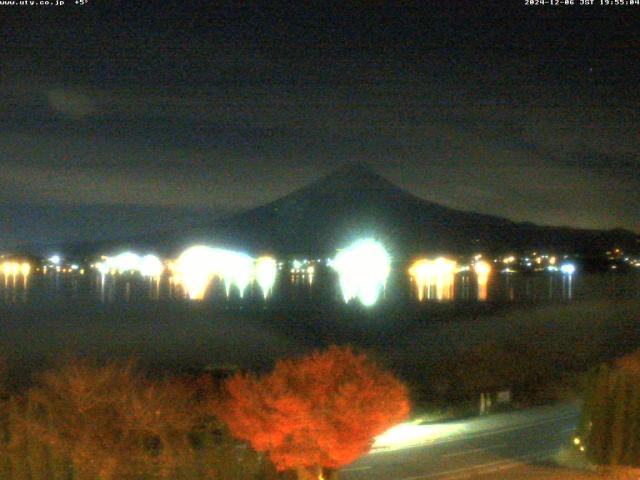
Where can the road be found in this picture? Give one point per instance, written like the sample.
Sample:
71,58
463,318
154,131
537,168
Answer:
483,446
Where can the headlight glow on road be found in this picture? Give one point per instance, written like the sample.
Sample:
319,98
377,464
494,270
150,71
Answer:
408,435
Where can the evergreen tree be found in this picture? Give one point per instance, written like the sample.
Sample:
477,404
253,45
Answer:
610,423
620,416
632,452
599,431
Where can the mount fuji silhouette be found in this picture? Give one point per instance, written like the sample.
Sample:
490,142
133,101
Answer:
355,201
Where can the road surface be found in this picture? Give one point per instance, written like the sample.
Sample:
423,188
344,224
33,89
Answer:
483,446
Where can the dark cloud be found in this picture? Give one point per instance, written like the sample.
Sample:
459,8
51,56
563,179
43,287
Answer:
71,103
226,108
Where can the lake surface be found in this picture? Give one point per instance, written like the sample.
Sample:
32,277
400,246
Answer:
53,316
320,288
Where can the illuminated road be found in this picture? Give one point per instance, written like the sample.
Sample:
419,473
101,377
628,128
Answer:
485,446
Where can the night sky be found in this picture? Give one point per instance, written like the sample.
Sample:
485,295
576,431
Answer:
130,118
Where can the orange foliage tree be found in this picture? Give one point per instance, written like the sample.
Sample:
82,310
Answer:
315,414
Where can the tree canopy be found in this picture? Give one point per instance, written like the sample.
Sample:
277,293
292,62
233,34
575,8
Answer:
323,410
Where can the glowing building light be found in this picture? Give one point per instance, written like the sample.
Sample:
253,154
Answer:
194,270
445,270
7,268
238,271
363,269
421,273
125,262
434,277
266,271
13,269
198,265
25,269
55,259
311,270
150,266
482,269
102,267
568,268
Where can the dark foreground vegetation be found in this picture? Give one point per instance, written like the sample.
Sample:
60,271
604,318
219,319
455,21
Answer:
609,432
110,420
308,417
85,421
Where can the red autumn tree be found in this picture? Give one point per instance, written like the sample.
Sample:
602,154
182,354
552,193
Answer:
317,413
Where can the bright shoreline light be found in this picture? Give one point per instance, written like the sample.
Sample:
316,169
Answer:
197,266
434,277
125,262
194,270
13,269
363,268
266,270
151,266
568,268
482,269
147,266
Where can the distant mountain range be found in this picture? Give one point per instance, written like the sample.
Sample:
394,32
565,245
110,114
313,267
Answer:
355,202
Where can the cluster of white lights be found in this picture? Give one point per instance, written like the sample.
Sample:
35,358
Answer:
147,265
303,267
197,266
363,268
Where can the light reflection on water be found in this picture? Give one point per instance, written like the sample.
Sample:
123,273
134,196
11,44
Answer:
322,286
